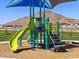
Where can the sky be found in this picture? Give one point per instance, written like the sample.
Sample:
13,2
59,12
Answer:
69,9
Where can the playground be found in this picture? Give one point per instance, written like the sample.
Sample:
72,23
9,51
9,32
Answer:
43,41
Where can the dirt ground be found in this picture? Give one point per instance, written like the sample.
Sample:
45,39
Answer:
27,53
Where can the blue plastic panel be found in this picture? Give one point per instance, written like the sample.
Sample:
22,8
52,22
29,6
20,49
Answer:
16,3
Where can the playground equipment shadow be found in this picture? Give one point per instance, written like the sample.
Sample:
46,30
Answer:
67,47
70,46
24,49
29,48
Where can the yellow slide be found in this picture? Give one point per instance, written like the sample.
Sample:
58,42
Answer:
13,43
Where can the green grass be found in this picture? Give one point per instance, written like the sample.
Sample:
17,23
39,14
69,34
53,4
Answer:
70,36
6,35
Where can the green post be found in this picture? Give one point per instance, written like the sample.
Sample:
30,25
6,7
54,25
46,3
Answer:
59,34
33,8
46,34
30,30
57,28
41,39
31,18
36,33
20,42
40,33
40,23
43,20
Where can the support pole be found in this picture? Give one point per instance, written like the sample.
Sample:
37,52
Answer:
33,8
40,23
44,9
46,35
31,18
44,18
57,28
31,36
20,42
36,33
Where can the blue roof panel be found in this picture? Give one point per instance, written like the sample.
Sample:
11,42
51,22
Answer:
16,3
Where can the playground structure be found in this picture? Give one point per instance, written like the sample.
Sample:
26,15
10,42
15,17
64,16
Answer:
37,25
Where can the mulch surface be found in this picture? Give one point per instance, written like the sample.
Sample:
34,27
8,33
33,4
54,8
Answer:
27,53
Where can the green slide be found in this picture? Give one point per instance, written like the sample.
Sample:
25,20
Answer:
13,43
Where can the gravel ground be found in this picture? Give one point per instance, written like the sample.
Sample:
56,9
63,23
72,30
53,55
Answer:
27,53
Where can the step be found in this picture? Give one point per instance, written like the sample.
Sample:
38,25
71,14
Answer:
57,43
54,37
57,40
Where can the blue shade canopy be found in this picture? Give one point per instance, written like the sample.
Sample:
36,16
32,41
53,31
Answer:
56,2
36,3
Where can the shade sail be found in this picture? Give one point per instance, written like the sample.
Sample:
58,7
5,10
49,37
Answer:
36,3
56,2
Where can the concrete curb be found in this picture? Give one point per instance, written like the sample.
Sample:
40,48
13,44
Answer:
72,41
6,58
5,42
